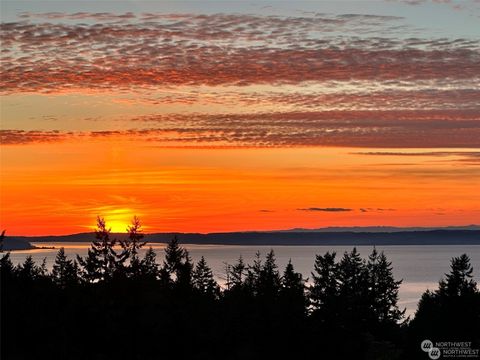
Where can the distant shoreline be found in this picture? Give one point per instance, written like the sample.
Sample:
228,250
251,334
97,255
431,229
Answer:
291,238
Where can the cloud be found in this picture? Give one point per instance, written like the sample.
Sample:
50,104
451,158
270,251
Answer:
371,129
22,137
363,210
337,98
181,49
330,209
429,153
103,16
463,157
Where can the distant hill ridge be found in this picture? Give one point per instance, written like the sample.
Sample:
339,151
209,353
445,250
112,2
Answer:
467,235
381,229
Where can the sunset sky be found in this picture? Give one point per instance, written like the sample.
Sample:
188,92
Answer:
239,115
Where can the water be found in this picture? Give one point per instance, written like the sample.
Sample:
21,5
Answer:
420,266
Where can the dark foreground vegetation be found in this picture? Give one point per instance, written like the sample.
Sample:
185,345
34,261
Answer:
112,304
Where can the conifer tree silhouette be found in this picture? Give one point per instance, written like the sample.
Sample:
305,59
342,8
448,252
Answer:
325,288
130,247
236,275
453,310
459,282
203,280
148,265
102,261
65,271
268,283
174,255
292,291
383,289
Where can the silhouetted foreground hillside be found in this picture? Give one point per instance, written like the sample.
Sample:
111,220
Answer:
426,237
111,304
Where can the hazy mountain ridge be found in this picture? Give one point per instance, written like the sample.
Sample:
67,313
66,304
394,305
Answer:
447,236
380,229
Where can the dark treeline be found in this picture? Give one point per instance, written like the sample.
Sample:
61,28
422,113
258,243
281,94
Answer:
114,304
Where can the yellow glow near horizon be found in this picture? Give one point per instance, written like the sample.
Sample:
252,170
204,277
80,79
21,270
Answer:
116,219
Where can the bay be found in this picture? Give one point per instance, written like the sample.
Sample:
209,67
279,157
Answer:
420,266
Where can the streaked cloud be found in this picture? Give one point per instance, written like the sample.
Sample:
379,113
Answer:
370,129
328,209
185,49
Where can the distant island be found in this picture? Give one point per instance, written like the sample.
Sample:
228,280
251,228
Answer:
467,235
16,243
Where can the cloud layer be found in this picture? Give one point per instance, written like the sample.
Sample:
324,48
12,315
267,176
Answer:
173,50
397,129
352,87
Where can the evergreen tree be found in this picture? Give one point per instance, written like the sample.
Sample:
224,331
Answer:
174,256
353,289
28,271
292,291
253,275
184,272
236,274
352,273
7,269
148,265
325,288
164,277
383,289
203,280
460,280
65,271
131,245
101,262
453,310
269,279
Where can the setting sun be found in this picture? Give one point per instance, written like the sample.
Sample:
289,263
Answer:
116,219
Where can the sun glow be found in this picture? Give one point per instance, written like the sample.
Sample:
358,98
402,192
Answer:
117,219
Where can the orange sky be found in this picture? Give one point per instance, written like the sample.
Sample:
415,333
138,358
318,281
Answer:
61,188
229,116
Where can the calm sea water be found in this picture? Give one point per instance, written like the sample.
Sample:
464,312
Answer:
420,266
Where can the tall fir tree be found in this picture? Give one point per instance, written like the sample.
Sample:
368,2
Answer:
65,271
28,271
292,291
184,272
236,275
459,282
102,261
203,280
130,247
7,269
269,280
325,288
174,256
383,289
253,275
148,265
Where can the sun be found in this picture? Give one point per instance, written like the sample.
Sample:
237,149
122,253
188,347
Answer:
117,219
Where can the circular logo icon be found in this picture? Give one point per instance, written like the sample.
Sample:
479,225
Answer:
426,345
434,353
